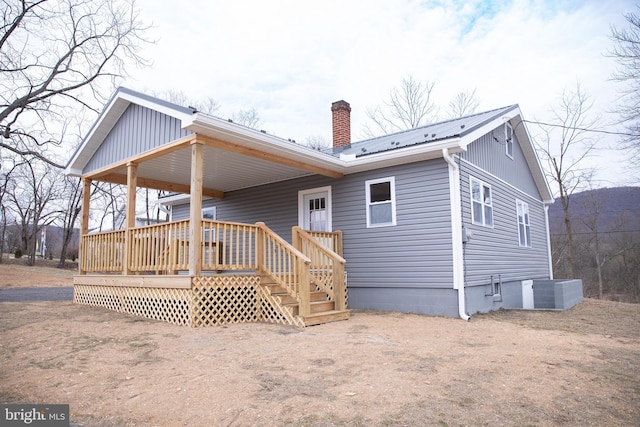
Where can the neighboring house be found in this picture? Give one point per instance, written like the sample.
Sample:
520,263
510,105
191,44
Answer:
447,219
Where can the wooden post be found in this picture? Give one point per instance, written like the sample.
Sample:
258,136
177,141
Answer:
260,247
132,185
304,306
338,285
338,244
195,213
84,221
296,241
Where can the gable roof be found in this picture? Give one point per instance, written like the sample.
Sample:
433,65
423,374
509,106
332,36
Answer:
267,158
111,113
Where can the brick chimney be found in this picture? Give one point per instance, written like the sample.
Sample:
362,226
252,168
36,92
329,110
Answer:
341,118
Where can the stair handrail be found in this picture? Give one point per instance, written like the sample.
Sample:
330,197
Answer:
336,290
291,272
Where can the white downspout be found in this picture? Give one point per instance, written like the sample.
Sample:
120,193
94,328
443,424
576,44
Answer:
546,220
456,232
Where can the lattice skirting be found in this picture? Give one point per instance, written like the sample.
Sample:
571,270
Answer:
167,304
212,300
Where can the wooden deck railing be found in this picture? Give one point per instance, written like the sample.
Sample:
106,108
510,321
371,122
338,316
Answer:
102,251
229,246
326,266
160,247
330,239
164,248
287,266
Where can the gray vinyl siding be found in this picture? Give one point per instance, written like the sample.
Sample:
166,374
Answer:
139,129
495,250
416,253
490,155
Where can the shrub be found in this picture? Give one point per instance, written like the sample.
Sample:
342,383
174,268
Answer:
18,253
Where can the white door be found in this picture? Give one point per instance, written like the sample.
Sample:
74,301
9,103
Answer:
527,294
315,209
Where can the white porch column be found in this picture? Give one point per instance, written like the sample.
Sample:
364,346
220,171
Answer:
195,213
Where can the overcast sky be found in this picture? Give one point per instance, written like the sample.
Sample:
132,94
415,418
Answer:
291,59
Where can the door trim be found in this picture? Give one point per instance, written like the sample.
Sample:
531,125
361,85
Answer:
303,193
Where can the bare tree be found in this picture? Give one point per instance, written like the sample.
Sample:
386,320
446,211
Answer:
564,154
249,118
409,106
463,104
55,57
592,208
6,184
317,142
71,210
109,203
206,105
627,53
33,201
627,264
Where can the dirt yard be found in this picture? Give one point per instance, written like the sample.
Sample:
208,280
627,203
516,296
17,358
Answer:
510,368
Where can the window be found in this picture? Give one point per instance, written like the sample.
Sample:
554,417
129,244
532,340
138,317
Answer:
524,227
209,213
508,137
481,205
381,202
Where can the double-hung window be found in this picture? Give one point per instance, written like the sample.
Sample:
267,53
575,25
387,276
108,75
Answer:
524,226
381,202
481,203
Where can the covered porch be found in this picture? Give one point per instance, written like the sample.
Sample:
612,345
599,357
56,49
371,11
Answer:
197,271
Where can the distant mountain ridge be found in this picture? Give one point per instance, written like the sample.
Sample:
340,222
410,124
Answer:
618,210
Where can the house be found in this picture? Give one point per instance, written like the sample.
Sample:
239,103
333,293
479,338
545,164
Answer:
447,219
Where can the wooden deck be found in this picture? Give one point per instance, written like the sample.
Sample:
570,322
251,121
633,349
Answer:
247,274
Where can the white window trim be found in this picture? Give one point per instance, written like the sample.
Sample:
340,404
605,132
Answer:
367,185
524,205
301,206
508,142
212,209
481,223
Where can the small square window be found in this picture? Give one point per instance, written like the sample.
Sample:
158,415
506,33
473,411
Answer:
381,202
209,213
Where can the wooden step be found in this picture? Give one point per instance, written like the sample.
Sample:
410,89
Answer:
287,299
314,307
318,296
320,306
326,317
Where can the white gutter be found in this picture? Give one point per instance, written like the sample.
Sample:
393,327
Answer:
456,232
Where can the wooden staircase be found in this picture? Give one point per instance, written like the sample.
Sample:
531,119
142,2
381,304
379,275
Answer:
322,309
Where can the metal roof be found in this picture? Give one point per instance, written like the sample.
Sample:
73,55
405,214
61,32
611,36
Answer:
422,135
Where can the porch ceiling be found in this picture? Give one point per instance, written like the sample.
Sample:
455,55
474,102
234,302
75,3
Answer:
223,170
